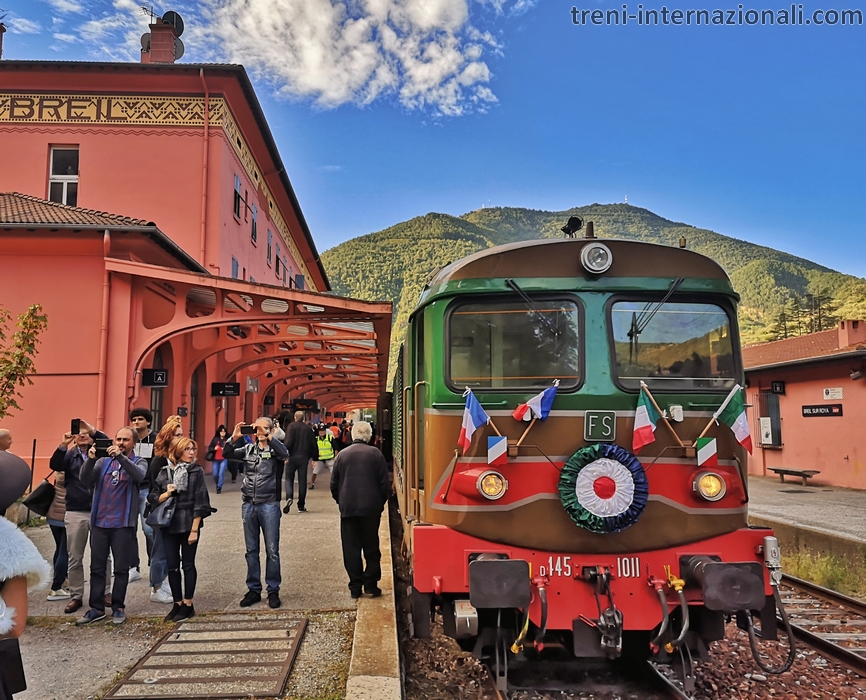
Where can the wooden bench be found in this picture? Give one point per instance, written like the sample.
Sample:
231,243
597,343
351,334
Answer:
802,473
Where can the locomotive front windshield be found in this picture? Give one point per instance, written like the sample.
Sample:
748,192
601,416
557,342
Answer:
511,345
673,346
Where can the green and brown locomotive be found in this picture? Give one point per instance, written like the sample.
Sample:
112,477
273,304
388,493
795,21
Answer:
552,531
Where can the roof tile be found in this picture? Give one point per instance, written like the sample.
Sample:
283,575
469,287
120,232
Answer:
23,209
803,347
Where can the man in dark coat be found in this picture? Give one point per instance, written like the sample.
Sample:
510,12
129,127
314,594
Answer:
301,443
360,486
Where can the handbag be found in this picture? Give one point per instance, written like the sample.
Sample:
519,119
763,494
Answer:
11,667
40,499
209,455
162,513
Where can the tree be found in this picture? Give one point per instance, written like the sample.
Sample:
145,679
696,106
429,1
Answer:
16,356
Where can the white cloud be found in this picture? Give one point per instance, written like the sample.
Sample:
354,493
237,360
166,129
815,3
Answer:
425,54
66,5
20,25
67,38
331,168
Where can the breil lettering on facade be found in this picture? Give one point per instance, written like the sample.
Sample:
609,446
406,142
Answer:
109,109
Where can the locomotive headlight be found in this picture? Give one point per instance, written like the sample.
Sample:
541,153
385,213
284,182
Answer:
596,258
710,486
492,485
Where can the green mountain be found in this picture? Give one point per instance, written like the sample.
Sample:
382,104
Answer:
393,264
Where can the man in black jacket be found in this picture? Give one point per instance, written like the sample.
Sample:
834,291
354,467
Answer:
263,468
360,486
301,444
68,458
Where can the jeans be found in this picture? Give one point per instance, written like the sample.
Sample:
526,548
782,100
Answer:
158,565
297,465
135,562
264,517
361,533
121,541
219,471
177,549
61,555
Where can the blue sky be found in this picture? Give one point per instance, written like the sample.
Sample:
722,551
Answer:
388,109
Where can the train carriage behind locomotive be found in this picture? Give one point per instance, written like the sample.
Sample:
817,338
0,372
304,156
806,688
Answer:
560,534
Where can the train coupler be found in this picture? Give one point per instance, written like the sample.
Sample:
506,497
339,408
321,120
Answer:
609,622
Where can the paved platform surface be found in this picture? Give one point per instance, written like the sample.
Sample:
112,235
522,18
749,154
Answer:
310,554
828,509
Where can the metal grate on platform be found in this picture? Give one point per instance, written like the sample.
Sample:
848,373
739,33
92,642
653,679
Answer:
230,656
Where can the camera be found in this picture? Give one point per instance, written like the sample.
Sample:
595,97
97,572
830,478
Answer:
102,445
248,430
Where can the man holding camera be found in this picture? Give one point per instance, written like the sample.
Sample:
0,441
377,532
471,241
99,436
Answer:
115,480
68,458
263,461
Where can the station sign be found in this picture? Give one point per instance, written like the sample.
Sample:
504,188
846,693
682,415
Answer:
154,377
285,407
777,388
305,405
339,414
225,389
183,411
269,401
833,410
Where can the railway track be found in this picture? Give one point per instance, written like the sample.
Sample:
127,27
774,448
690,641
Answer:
600,680
830,623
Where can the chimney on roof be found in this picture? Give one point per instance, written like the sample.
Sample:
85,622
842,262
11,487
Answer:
161,47
852,332
2,31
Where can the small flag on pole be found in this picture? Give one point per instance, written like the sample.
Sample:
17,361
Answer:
473,418
732,413
708,455
645,418
538,406
497,450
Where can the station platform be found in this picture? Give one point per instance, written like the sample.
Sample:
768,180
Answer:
829,510
313,580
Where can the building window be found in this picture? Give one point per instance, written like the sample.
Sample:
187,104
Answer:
770,419
235,269
284,271
252,279
291,277
299,281
237,199
279,262
270,244
63,181
253,233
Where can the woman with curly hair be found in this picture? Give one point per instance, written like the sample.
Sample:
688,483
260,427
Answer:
182,479
159,589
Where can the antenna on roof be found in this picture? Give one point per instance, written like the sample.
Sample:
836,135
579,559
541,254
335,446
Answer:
148,11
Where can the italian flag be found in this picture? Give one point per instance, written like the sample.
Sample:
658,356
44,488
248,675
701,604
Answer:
708,455
732,413
645,418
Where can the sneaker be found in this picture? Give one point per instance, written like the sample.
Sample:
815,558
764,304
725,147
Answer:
288,506
160,595
134,575
175,609
185,612
92,615
59,594
250,598
219,489
302,509
274,600
72,606
118,617
311,486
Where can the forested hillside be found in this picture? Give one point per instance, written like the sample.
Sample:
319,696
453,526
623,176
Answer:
393,264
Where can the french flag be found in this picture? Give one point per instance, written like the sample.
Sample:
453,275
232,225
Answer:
497,450
538,406
473,418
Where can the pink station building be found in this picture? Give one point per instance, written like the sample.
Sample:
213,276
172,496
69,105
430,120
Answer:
146,208
808,405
